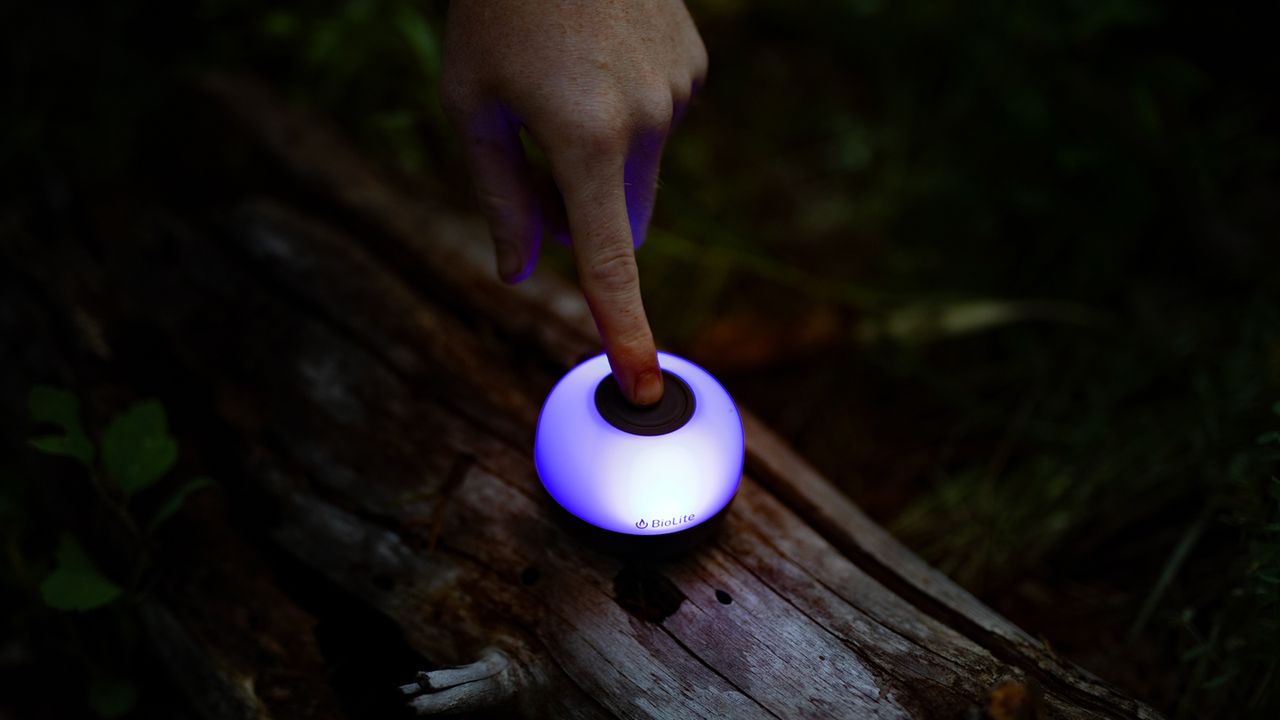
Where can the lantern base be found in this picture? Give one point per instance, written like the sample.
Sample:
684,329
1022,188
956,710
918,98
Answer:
639,546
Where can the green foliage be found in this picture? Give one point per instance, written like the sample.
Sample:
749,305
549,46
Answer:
375,64
137,452
175,500
137,449
76,583
1231,640
61,409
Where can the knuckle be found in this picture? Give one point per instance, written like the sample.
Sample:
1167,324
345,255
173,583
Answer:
654,110
499,207
701,61
613,271
682,90
599,126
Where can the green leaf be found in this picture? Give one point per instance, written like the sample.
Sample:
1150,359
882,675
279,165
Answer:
112,697
53,406
137,449
72,446
174,503
76,584
421,38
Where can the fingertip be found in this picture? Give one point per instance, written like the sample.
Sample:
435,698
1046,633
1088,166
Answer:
647,389
514,271
517,258
509,262
637,371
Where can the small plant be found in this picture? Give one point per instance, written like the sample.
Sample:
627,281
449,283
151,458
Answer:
1234,657
135,453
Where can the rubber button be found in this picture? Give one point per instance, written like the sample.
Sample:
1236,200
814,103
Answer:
667,415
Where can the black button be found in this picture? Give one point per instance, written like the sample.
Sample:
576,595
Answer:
667,415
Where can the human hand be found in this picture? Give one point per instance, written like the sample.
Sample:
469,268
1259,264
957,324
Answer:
597,84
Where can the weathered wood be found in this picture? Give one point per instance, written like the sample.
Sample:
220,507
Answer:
453,251
381,384
756,655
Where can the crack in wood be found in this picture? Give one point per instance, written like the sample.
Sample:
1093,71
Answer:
862,610
716,671
857,655
868,659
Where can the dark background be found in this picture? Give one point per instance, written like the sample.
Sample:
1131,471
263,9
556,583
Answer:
1006,272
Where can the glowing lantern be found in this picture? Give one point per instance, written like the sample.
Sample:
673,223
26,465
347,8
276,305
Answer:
640,471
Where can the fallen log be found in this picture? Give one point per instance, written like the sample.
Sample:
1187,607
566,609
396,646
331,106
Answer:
380,387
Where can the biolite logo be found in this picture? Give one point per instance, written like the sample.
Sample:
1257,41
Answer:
665,523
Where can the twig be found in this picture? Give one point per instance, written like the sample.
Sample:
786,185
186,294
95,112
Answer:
482,684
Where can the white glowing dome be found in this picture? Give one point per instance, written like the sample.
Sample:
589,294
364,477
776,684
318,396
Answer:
639,484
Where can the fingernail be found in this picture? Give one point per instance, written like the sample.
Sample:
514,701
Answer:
647,389
508,260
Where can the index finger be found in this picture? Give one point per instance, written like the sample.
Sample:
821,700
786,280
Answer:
595,201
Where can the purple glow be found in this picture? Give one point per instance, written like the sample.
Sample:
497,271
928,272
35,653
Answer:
630,483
